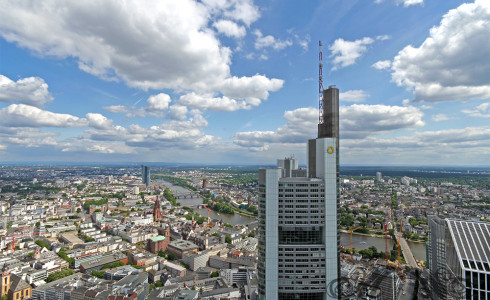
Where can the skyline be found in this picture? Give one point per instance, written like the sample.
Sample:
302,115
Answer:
219,82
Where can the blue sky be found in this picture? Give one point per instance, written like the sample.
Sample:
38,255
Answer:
236,81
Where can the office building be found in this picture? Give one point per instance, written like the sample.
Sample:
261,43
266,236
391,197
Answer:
145,175
299,236
379,177
459,259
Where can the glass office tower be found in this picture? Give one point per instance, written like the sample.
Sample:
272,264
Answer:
299,235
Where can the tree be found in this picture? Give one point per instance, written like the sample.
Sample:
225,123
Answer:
79,210
215,274
162,253
152,286
228,239
98,274
59,274
159,284
172,256
251,234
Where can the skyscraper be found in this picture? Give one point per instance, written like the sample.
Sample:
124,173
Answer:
145,175
299,235
459,259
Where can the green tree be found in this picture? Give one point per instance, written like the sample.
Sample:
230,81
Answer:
98,274
172,256
159,284
214,274
162,253
228,239
251,234
59,274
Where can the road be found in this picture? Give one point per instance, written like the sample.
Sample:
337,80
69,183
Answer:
407,253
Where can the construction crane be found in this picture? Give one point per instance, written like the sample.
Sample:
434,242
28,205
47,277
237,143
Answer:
351,244
209,223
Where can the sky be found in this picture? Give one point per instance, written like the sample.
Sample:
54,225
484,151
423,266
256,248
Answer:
236,81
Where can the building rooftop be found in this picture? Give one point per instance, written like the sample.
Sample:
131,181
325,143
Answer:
471,240
183,245
157,238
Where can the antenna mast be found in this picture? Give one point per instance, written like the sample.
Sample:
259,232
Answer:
320,85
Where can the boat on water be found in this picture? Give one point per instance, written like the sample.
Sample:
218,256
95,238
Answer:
363,243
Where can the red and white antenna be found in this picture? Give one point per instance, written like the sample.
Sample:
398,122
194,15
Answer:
320,86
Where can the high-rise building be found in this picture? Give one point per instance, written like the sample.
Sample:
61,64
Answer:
145,175
459,259
379,177
299,235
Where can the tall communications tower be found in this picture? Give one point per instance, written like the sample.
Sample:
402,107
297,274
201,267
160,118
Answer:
299,233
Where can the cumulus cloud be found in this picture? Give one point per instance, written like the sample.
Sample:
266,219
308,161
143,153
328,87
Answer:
480,111
148,45
239,10
30,90
357,121
177,112
158,102
21,115
452,63
353,96
98,121
176,134
269,41
230,29
345,53
382,64
27,137
209,102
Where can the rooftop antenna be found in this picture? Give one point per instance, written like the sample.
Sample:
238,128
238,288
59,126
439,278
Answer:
320,85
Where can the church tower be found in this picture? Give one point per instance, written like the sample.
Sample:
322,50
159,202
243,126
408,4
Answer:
5,285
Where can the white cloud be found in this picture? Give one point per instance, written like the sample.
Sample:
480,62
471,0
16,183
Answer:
188,134
452,63
117,109
30,90
27,137
303,42
98,121
158,102
382,64
269,41
440,118
357,121
177,112
149,45
239,10
21,115
480,111
209,102
346,53
353,96
383,37
230,29
407,3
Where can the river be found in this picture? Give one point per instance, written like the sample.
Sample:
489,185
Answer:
360,241
227,218
363,242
